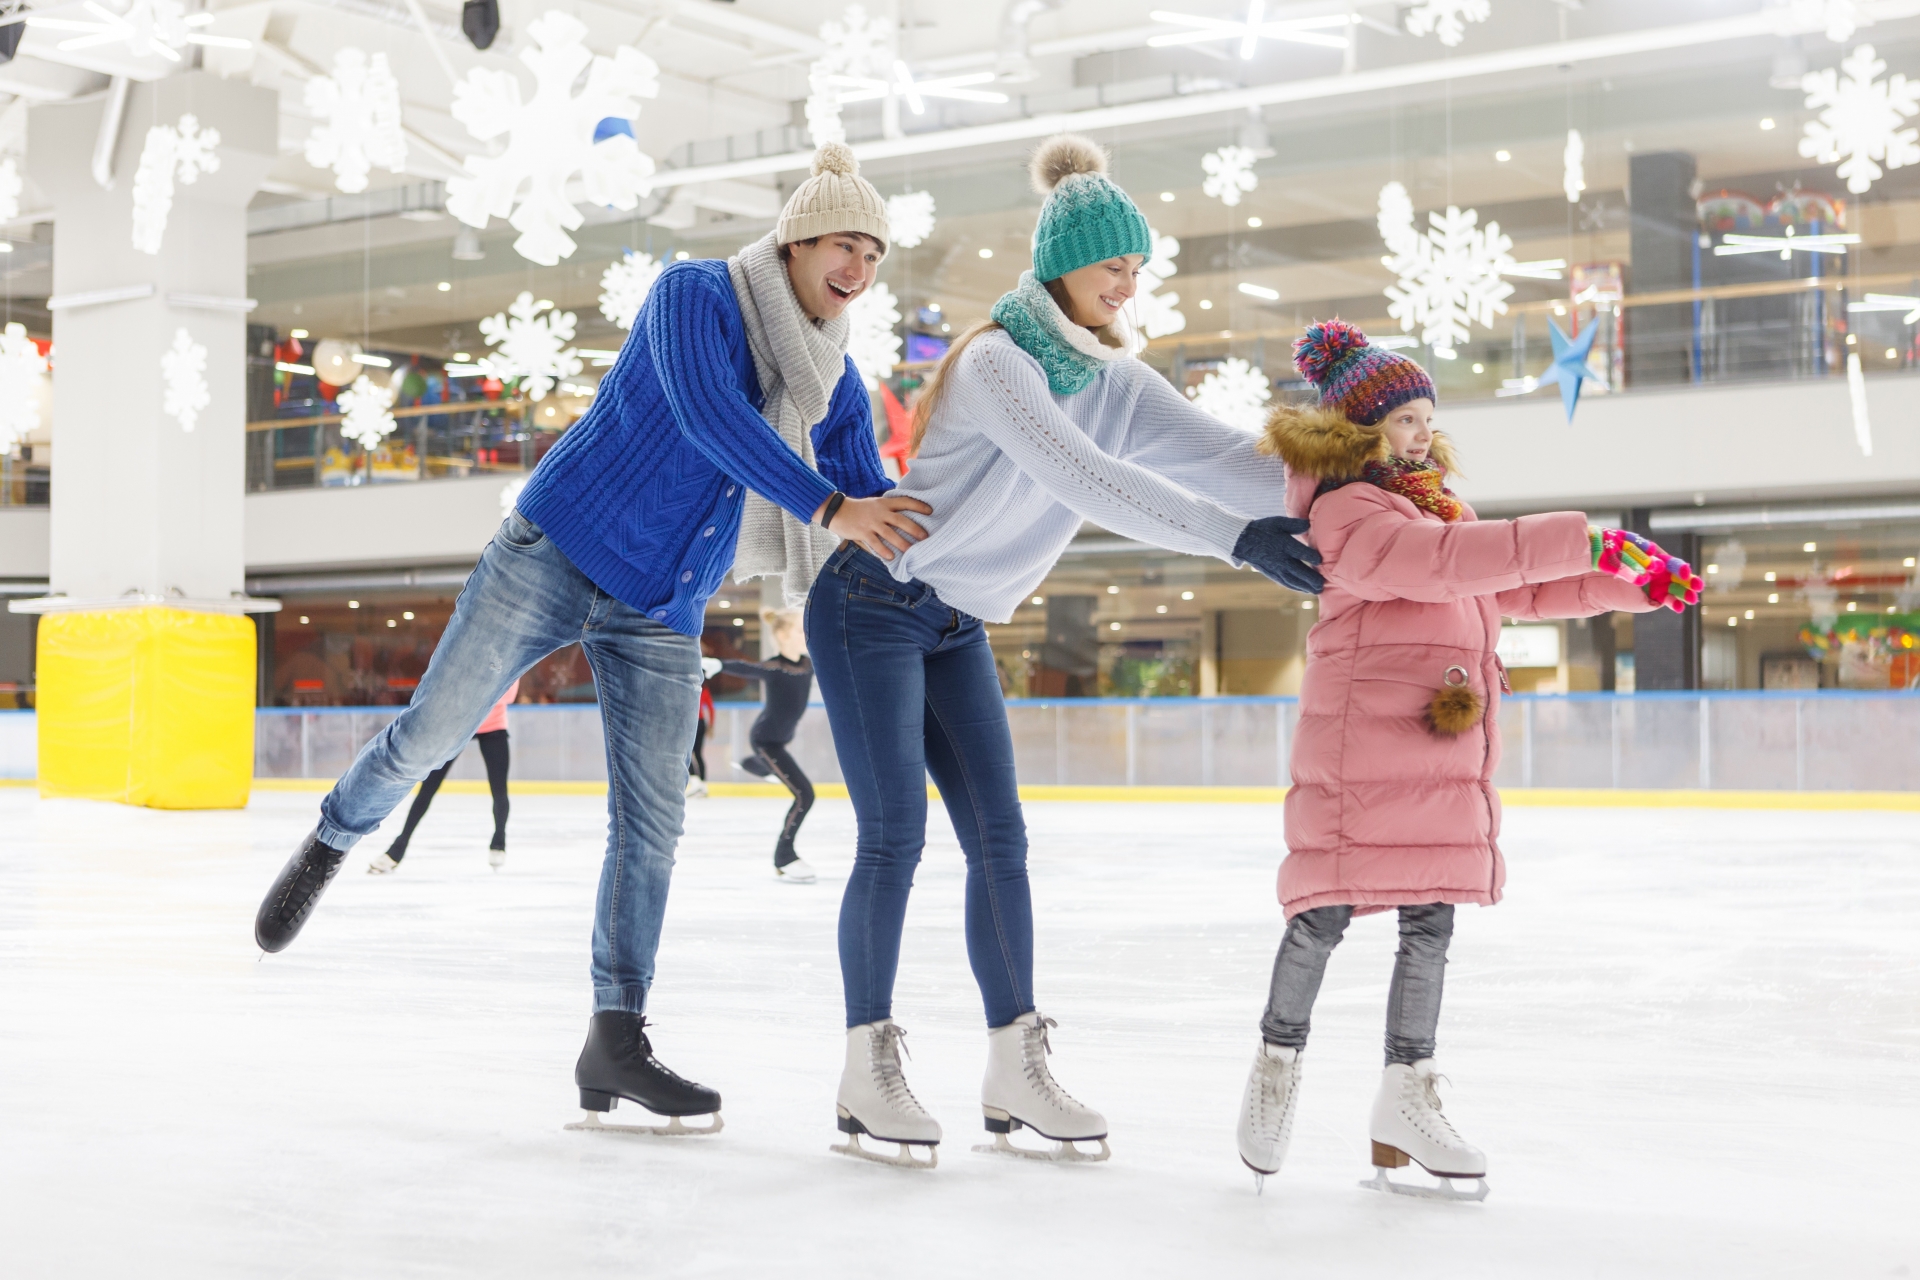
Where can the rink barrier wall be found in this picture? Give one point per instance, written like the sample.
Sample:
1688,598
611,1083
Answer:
1745,748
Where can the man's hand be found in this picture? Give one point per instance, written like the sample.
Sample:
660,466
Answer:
877,524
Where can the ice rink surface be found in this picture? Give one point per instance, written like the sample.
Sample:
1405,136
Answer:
1687,1041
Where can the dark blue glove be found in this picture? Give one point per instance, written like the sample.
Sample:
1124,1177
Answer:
1269,545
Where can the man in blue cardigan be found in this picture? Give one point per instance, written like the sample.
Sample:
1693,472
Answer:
734,377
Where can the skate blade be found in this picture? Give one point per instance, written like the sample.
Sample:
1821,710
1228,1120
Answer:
1064,1150
671,1129
1443,1190
902,1159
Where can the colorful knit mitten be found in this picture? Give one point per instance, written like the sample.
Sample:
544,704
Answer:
1667,580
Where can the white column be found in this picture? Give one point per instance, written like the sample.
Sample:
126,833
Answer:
141,505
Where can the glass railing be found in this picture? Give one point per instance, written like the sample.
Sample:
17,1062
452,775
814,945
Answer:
429,442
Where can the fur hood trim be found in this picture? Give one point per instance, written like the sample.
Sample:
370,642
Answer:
1322,442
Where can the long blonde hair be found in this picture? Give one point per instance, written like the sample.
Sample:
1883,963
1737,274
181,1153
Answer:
1109,334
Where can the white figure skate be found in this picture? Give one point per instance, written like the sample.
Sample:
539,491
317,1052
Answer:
496,857
1408,1125
799,871
874,1100
1020,1091
1266,1111
382,865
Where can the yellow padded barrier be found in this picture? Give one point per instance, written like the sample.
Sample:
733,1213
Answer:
148,706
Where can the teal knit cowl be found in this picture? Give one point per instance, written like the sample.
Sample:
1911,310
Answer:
1069,353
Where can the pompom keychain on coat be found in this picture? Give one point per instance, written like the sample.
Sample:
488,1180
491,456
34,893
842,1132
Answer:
1455,708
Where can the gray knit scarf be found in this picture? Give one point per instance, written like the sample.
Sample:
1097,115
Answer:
799,361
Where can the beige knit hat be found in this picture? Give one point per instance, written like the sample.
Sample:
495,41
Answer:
835,198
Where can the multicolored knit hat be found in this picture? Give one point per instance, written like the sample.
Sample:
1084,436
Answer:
1363,381
1086,219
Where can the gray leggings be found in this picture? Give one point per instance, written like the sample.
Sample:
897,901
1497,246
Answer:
1413,1001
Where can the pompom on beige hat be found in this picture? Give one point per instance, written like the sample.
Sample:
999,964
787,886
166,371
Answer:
835,198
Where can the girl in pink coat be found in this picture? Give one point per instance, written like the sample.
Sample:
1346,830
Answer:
1393,803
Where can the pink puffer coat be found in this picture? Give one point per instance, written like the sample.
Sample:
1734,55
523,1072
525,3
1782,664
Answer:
1384,811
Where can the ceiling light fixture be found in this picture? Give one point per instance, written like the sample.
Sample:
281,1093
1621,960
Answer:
915,92
1784,245
1250,32
1260,291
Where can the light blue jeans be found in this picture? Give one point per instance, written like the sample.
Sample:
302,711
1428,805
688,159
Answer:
523,601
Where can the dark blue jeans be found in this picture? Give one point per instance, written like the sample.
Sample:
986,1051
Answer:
911,690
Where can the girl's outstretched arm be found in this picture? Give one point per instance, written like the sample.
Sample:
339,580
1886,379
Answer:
1378,552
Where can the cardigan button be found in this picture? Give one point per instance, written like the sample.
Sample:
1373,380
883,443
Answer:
730,489
687,576
659,613
707,532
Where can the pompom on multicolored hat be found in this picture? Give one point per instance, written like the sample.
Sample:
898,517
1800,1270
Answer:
1362,381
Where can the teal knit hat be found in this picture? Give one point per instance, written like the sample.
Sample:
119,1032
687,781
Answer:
1086,219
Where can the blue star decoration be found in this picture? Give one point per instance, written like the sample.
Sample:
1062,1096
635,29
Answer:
1570,364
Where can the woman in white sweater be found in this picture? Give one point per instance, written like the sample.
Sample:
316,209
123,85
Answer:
1033,423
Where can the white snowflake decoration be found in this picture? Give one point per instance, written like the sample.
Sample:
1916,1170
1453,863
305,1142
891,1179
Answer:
624,285
367,410
1839,18
1158,314
857,45
183,370
550,138
173,153
1447,18
1229,172
1236,393
874,336
531,345
1448,279
910,218
1860,118
10,188
359,110
1573,177
21,366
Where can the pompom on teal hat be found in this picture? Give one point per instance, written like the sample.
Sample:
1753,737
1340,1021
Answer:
1086,218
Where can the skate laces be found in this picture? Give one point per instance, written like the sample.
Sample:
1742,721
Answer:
1271,1102
890,1043
1425,1097
1034,1048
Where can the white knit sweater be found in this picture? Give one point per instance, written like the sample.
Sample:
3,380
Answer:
1010,470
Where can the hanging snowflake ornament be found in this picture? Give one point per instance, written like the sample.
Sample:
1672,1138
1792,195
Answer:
1860,119
910,217
1573,175
1158,314
624,285
1447,19
21,367
856,45
359,111
173,153
550,137
1838,18
1229,172
1448,279
873,337
1236,393
183,376
367,412
10,188
530,342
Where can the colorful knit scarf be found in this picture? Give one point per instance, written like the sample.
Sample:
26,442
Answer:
1422,483
1069,353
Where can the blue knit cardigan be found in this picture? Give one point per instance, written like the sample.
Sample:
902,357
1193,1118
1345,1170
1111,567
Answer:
644,493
